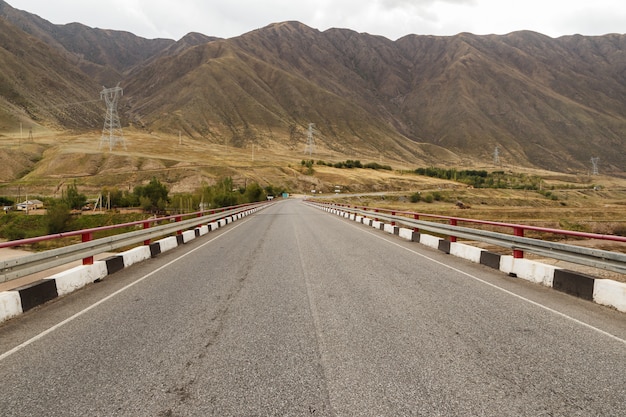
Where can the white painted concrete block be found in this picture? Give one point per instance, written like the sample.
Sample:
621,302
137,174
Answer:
10,305
204,229
136,255
610,293
406,233
534,271
168,243
189,235
430,241
389,228
358,219
352,217
221,222
377,224
506,264
461,250
79,276
214,225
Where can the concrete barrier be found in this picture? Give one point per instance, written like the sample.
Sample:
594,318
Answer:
114,264
610,293
430,241
78,277
490,259
574,283
409,234
36,293
378,224
188,236
461,250
168,243
392,230
527,269
10,305
136,255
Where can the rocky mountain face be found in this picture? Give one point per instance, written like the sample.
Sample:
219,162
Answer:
544,102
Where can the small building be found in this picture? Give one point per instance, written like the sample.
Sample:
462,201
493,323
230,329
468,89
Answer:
30,205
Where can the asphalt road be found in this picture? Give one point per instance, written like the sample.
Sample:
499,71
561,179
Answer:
295,312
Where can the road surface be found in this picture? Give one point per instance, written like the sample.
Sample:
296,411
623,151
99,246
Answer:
296,312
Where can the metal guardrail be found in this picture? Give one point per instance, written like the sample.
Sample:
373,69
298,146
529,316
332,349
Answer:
19,267
597,258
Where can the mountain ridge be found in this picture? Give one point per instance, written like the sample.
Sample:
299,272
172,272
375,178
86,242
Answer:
547,102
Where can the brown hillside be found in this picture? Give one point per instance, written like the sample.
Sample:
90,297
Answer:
543,102
39,87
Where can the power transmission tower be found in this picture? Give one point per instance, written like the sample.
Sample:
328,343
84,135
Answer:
594,163
112,131
310,142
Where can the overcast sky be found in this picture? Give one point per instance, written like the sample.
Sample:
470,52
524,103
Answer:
393,19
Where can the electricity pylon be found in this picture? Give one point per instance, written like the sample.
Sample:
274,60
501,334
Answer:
112,131
310,142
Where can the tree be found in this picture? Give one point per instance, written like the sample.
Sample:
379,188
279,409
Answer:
153,196
58,216
73,198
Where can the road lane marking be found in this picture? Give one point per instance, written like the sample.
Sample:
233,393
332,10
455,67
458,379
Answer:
121,290
551,310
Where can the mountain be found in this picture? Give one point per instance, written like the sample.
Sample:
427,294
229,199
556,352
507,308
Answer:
39,85
542,102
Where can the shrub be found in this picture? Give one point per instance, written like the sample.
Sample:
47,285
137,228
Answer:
73,199
58,218
415,197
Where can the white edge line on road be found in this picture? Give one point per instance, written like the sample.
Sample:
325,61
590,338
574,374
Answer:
558,313
91,307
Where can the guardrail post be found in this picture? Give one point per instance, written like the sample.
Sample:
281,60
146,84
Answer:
416,217
518,254
179,219
376,218
87,237
146,225
393,213
452,223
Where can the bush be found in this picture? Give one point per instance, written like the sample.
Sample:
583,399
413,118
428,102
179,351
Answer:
153,196
415,197
73,199
428,198
13,232
58,218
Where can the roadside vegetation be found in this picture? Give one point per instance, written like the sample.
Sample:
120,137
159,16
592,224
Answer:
74,211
